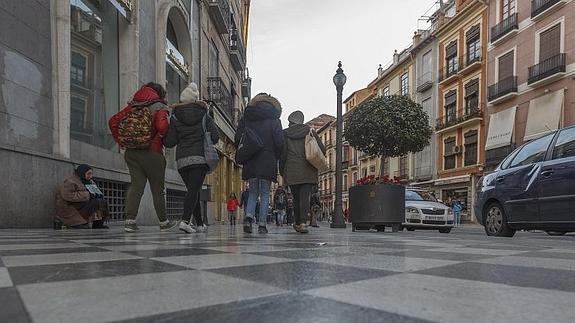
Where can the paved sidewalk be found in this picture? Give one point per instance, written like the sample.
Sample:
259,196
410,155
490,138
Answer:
329,275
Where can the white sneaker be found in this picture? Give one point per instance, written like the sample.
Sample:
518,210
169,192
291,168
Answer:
186,227
201,228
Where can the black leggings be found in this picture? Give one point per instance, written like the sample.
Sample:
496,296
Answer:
301,200
194,178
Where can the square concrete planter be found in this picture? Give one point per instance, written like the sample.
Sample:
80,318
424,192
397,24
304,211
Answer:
379,206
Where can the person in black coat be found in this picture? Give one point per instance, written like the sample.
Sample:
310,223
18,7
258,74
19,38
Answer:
262,116
187,132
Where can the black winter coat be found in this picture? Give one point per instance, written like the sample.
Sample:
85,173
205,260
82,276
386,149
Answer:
263,118
187,133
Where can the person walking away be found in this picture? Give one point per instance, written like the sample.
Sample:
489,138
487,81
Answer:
139,128
244,199
189,124
289,213
315,205
457,208
79,202
280,205
232,208
297,172
259,141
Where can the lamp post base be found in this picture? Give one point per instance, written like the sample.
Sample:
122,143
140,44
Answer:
334,225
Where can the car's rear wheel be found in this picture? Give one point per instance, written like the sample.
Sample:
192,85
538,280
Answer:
556,233
446,230
496,221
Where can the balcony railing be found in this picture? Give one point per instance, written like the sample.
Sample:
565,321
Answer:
502,88
425,82
547,68
220,95
540,6
460,116
247,87
449,71
221,13
237,50
504,27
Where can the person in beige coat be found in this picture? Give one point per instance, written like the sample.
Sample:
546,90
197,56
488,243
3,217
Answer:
79,202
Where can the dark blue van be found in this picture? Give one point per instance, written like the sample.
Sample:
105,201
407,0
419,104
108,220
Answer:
532,188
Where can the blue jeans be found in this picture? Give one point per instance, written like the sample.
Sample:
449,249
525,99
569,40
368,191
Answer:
259,188
457,217
281,216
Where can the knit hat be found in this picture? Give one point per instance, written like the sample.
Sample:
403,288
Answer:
296,117
264,97
190,93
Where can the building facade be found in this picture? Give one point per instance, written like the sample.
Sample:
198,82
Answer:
70,65
531,70
460,128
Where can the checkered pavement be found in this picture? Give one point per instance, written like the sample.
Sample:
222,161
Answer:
330,275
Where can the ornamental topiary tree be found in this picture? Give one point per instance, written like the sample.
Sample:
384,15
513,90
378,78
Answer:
391,126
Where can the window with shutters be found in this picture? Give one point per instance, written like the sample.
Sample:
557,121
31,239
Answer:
403,167
405,84
508,8
386,167
550,43
470,148
448,155
386,91
506,66
471,97
213,61
450,107
451,58
473,45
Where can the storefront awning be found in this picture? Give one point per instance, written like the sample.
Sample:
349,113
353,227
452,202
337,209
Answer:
453,180
545,114
500,131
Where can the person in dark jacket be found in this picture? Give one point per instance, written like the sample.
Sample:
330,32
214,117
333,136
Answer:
187,132
262,116
296,171
280,205
315,205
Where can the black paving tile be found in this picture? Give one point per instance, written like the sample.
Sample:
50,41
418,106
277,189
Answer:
27,252
13,309
300,253
301,275
282,308
172,252
31,242
507,247
75,271
550,255
509,275
304,245
427,254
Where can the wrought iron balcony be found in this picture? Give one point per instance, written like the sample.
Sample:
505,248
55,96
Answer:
502,90
540,6
425,82
474,111
220,95
547,69
504,28
221,13
237,50
247,86
450,72
472,59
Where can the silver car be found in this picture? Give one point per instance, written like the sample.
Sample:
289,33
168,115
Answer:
423,211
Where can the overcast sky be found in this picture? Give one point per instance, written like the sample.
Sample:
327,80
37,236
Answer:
294,46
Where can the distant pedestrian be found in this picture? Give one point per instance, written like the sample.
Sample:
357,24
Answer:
260,143
244,199
280,205
189,124
79,202
139,128
289,207
457,208
315,211
296,170
232,205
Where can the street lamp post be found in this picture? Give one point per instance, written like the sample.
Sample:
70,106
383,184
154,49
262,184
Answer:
339,81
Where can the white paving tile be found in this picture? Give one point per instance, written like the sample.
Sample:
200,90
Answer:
547,263
478,251
5,280
204,262
40,246
250,248
143,247
64,258
392,263
453,300
121,298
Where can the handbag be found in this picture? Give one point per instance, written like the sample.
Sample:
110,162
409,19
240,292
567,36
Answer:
249,145
313,152
210,153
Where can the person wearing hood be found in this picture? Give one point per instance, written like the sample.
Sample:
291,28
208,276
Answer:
262,115
297,172
79,202
187,133
146,164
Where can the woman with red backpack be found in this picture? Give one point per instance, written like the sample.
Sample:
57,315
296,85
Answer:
139,128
